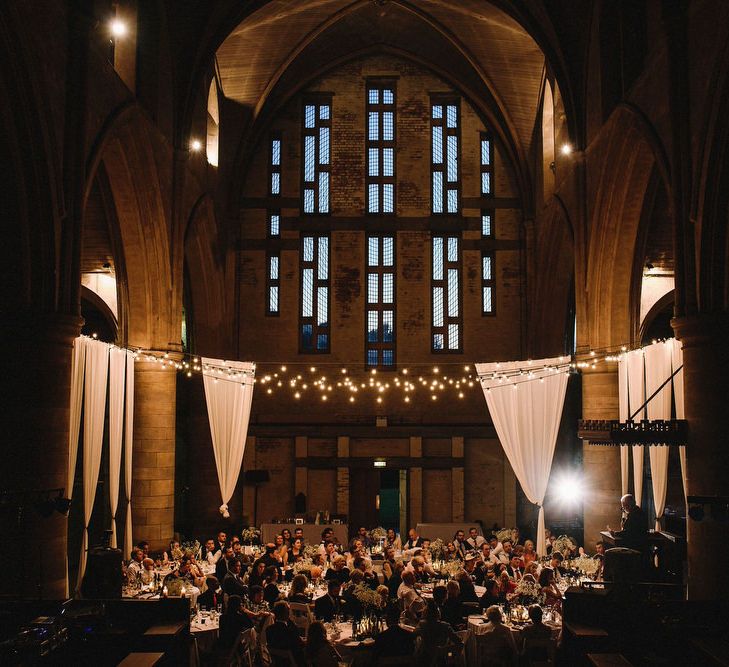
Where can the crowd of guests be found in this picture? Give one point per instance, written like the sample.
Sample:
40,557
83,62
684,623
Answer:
248,589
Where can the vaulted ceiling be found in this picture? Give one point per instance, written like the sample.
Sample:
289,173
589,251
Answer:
490,56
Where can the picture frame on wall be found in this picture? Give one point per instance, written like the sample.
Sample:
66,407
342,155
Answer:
299,521
336,522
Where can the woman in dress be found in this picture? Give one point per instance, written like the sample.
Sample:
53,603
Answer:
296,552
257,575
393,540
319,650
298,589
529,555
549,588
281,552
286,534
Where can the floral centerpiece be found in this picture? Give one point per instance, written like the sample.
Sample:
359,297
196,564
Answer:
451,568
527,592
510,534
565,545
368,625
378,534
585,564
303,566
310,551
177,553
437,549
191,549
250,535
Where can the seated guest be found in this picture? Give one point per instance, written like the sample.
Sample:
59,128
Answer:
296,551
508,547
232,582
506,585
283,635
222,541
537,629
257,574
419,568
556,564
451,553
384,593
148,571
549,587
388,563
298,590
338,570
330,553
394,642
474,540
352,606
135,567
330,605
211,553
497,550
281,550
452,610
213,595
430,634
406,593
287,537
459,541
181,578
469,564
515,568
487,556
393,540
414,540
221,567
440,594
468,591
169,555
496,642
529,555
270,589
491,595
370,578
299,535
232,622
393,583
533,569
364,537
271,557
319,651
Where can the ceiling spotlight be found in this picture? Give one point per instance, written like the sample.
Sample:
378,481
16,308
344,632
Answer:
566,149
118,28
196,145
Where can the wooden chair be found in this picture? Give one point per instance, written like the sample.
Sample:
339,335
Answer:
301,616
282,656
541,647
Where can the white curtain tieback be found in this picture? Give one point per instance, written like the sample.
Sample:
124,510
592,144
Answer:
224,511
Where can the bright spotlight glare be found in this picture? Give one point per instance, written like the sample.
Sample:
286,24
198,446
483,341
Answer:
566,149
118,28
568,489
196,145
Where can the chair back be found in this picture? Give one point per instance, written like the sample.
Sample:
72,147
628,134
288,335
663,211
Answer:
240,653
450,654
281,657
301,616
543,650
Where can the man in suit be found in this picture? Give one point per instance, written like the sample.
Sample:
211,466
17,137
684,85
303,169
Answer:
330,605
414,540
213,595
515,568
459,542
474,540
338,571
223,564
283,635
232,582
393,642
633,532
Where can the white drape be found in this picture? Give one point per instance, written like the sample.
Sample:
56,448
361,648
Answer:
677,362
128,439
657,371
96,374
526,417
623,415
229,408
117,367
78,361
636,398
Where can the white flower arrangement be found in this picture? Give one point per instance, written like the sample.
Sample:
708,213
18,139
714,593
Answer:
565,545
526,591
585,564
303,566
177,553
506,534
369,598
378,534
191,548
437,549
451,568
310,551
250,535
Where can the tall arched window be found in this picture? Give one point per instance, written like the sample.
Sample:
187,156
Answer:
213,124
548,140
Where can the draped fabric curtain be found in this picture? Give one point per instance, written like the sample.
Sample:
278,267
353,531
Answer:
623,415
95,380
117,368
526,415
128,440
228,398
657,371
636,398
676,363
78,361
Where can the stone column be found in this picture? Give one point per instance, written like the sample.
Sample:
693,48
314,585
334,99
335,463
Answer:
36,385
457,482
343,477
600,464
415,500
706,373
153,463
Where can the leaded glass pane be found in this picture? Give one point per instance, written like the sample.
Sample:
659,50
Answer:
372,326
374,162
322,303
438,258
322,340
452,248
388,96
306,334
388,163
309,158
388,198
309,115
437,306
437,111
276,152
324,112
437,145
485,183
452,159
372,357
485,152
437,341
308,201
374,96
437,192
275,224
387,288
374,123
486,225
373,198
324,145
452,292
372,251
387,358
453,336
452,116
308,248
273,299
307,293
452,201
323,272
372,288
487,267
487,306
275,183
387,126
387,251
324,192
387,326
273,267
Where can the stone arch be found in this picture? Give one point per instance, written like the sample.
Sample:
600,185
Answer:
628,152
149,298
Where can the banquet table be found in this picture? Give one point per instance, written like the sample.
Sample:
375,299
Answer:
477,628
204,627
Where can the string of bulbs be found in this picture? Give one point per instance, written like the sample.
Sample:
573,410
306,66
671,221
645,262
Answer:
328,379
